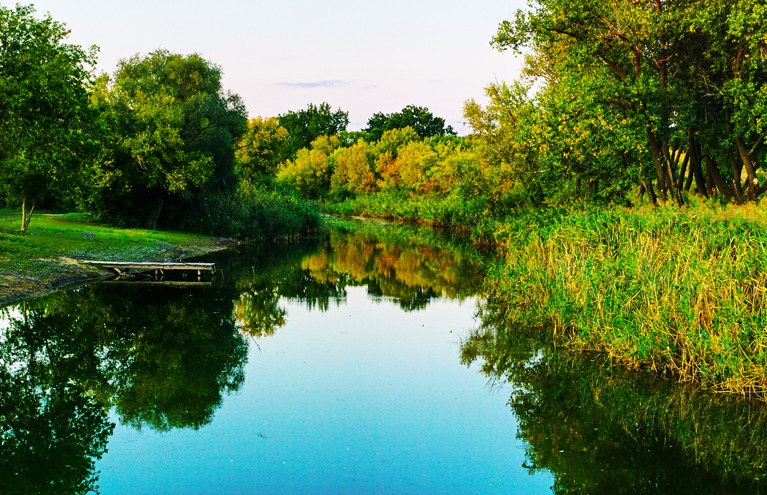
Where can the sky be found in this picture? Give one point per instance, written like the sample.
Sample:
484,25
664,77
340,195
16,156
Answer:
360,56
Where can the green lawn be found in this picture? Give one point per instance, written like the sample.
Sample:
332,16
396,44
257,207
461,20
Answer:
48,255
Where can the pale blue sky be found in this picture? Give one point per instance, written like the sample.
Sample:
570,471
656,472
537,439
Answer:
363,57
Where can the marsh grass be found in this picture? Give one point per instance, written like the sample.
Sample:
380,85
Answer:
48,255
676,291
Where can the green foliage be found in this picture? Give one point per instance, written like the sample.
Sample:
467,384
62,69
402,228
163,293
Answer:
254,213
261,150
310,172
354,170
44,118
423,122
625,97
170,135
304,126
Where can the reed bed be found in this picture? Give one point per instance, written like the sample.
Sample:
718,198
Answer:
682,292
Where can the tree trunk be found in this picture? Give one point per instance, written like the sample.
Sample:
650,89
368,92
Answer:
721,184
737,168
659,171
696,166
154,214
26,216
647,184
745,157
682,172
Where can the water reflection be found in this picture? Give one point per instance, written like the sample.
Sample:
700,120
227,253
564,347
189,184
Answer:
317,273
605,430
164,358
52,424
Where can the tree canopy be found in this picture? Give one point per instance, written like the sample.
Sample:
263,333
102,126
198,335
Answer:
423,122
659,94
304,126
43,106
171,134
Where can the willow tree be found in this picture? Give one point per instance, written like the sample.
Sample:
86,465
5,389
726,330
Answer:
43,106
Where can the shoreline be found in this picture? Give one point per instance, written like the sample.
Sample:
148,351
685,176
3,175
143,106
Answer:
50,256
78,274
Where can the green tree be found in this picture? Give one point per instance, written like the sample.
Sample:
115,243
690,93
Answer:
261,150
44,116
172,131
354,170
661,95
312,169
420,119
304,126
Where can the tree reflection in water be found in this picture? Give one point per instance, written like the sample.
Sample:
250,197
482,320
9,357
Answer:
52,426
602,430
164,358
318,272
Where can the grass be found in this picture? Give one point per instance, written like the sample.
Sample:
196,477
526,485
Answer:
48,255
449,211
681,292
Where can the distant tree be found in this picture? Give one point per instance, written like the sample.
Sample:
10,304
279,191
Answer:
304,126
260,151
423,122
43,106
172,134
354,171
309,174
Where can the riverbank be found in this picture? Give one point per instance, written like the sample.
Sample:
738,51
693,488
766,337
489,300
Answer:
49,255
680,291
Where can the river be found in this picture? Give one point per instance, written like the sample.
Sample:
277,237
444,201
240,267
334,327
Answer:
362,361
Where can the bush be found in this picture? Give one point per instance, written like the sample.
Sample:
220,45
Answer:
254,213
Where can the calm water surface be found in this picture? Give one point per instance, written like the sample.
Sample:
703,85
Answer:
354,363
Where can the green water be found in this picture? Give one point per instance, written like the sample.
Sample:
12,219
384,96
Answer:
351,363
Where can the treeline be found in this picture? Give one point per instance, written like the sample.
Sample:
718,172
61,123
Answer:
664,97
154,144
620,102
161,143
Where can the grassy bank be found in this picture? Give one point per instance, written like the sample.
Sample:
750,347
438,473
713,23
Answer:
679,291
48,256
448,211
682,292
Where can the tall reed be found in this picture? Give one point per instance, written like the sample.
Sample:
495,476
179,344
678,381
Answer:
680,292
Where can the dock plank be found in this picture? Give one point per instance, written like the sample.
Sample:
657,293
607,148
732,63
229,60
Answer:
151,265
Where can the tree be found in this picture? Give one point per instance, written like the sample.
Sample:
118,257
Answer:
354,170
304,126
423,122
261,150
311,171
43,106
172,133
658,94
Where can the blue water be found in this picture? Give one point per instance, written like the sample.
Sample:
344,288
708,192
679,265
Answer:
351,363
362,398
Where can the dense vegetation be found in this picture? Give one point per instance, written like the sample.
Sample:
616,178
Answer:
613,175
155,144
622,105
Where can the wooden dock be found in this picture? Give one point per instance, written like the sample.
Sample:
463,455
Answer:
159,268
